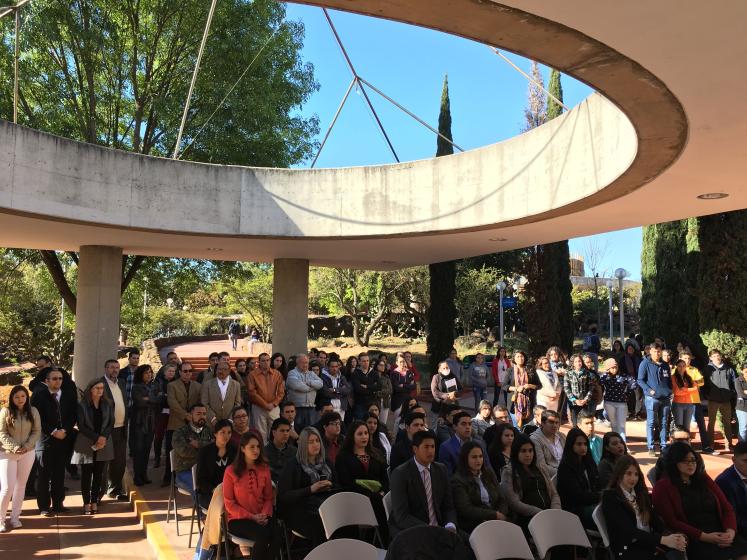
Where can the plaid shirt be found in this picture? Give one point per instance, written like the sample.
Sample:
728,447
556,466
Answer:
577,384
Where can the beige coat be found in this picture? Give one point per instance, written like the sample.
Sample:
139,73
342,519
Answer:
545,457
21,434
179,402
218,408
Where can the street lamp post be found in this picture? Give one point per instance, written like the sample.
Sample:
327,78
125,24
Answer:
500,286
610,283
621,274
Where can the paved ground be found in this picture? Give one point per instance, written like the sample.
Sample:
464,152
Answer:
206,348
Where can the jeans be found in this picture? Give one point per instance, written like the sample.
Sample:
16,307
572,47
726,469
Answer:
683,414
14,471
481,394
617,412
184,480
657,420
742,420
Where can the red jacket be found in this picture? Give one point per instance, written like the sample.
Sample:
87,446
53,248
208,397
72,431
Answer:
668,504
494,368
249,494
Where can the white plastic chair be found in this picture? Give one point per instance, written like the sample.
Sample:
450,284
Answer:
555,527
344,548
345,509
495,540
604,533
387,504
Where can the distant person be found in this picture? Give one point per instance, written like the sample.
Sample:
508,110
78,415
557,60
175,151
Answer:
115,390
266,392
221,394
127,373
577,384
445,388
655,380
335,388
616,391
182,394
499,369
234,330
551,384
593,345
719,389
366,385
301,386
146,404
478,376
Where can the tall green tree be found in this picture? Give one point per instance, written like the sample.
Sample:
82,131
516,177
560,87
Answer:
549,305
442,311
116,74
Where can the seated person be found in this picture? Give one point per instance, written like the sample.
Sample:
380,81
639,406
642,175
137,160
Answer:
379,440
402,450
374,409
578,480
247,495
240,419
678,434
586,423
500,416
635,531
549,442
733,482
476,491
323,409
331,424
448,453
187,442
689,502
530,427
482,420
362,468
421,494
499,451
279,449
288,411
212,461
613,447
445,424
526,485
306,481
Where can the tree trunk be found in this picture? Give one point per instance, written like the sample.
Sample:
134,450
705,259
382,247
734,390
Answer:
58,277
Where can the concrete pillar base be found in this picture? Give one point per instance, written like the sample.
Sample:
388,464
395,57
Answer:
290,307
97,313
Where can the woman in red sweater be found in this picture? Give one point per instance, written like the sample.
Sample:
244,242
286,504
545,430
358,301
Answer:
247,495
689,502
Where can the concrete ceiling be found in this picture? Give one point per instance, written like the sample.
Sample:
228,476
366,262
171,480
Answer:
675,69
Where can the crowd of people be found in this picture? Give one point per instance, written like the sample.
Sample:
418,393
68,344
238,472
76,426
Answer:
272,439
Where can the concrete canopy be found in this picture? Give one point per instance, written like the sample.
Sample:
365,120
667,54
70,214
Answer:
616,161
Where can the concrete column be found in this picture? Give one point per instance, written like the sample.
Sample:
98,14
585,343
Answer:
97,313
290,306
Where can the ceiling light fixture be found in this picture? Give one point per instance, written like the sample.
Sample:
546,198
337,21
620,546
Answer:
712,196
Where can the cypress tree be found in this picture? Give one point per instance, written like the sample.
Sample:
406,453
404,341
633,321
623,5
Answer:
442,310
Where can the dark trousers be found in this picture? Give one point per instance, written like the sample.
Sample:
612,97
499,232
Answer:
167,460
90,481
50,476
141,443
266,537
725,409
118,464
700,420
159,431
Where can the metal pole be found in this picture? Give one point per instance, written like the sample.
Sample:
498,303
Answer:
15,64
500,288
334,120
194,78
622,312
611,315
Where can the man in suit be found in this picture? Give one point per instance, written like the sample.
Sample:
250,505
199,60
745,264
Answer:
549,442
448,453
116,392
181,394
402,449
58,411
221,394
420,489
733,482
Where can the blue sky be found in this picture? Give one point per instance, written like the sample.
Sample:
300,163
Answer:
409,64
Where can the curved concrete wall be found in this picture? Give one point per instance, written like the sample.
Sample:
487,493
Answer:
562,162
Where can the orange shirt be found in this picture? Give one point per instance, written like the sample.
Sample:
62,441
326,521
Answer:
685,395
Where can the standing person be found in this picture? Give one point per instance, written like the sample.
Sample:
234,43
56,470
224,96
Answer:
335,388
686,395
403,383
93,445
384,395
277,361
628,366
577,386
182,394
635,531
455,365
248,497
549,442
499,369
740,386
234,330
559,366
128,372
697,377
593,345
20,427
266,392
351,364
719,389
160,433
551,385
115,390
242,376
522,386
691,503
221,394
445,388
366,385
413,368
478,377
613,447
146,403
302,386
616,389
578,480
655,380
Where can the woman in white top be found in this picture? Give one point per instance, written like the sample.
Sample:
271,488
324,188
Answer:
20,427
549,393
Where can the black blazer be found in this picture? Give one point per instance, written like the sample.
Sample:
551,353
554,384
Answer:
627,541
122,387
468,502
349,469
294,489
146,402
364,396
41,376
401,452
409,505
575,491
53,417
209,474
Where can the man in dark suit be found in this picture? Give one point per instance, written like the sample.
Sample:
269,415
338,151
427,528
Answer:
448,453
733,482
58,410
402,450
420,489
116,392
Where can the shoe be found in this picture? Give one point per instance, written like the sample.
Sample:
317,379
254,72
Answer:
87,509
16,524
651,453
94,509
3,528
122,498
715,452
46,513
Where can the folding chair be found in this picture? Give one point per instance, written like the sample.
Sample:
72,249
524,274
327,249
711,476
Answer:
388,504
555,527
496,540
601,524
174,489
197,511
344,548
230,537
345,509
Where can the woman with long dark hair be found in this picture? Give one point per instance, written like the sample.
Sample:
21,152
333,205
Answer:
499,451
93,445
500,367
146,402
247,495
526,487
379,439
522,386
686,395
476,491
578,480
277,361
635,531
613,447
577,384
689,501
350,365
20,428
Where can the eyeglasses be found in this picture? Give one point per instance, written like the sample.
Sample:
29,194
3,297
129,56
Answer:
335,423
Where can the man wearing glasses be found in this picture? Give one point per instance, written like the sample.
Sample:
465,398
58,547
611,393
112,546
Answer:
58,414
181,394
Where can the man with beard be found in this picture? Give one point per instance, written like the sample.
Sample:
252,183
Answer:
187,442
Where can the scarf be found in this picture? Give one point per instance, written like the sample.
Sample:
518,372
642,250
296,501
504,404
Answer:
315,472
521,400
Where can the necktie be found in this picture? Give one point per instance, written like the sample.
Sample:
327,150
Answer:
429,497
